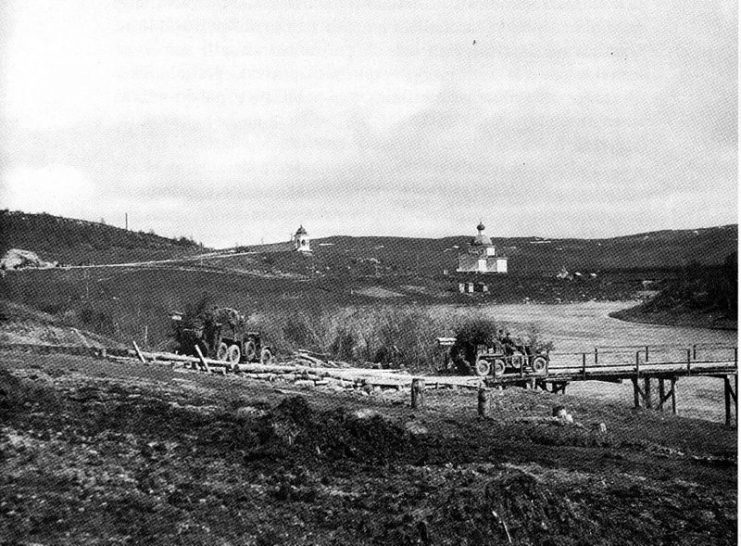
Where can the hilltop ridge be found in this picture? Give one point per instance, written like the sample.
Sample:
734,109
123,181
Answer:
72,241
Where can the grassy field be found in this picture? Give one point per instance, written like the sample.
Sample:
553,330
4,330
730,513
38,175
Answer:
96,452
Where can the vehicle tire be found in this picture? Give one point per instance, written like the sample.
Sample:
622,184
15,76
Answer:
539,365
499,367
266,356
483,367
249,350
222,351
233,355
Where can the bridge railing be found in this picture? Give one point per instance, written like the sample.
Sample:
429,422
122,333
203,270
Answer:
625,354
623,363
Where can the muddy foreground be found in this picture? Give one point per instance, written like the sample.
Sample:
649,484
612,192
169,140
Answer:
94,452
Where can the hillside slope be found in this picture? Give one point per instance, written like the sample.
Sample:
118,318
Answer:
71,241
661,249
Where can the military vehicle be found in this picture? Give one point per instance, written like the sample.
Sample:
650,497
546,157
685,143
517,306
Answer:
220,334
496,358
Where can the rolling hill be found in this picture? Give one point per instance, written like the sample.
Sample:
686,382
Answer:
70,241
533,255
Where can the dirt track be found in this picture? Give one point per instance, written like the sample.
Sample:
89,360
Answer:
100,453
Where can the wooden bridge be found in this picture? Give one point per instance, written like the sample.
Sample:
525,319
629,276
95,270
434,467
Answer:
651,369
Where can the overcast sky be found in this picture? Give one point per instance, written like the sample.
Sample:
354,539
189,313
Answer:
235,121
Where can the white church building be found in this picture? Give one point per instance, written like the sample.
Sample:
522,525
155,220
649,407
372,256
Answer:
481,256
301,241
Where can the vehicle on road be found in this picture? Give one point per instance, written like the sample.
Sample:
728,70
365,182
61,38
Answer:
221,334
495,358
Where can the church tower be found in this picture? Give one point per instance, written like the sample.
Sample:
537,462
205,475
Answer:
301,241
481,256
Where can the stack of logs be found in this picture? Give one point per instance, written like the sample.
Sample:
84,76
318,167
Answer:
308,370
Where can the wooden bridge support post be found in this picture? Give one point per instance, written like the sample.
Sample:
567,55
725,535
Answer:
662,395
674,395
636,393
730,397
647,392
418,393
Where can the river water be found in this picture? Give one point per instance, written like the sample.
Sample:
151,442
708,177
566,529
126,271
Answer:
580,327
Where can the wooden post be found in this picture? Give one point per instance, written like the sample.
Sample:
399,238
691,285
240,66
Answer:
662,395
689,362
139,353
674,395
596,358
647,393
636,399
204,364
418,393
727,396
584,364
638,364
484,402
646,353
735,381
694,351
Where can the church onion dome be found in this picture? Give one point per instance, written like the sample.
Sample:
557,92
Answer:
301,230
481,239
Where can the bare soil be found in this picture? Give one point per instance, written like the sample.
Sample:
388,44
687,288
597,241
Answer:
96,452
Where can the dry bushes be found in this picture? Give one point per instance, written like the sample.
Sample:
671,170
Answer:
392,336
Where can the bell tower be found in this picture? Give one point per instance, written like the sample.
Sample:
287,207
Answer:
301,242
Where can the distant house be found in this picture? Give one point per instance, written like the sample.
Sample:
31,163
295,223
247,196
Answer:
481,256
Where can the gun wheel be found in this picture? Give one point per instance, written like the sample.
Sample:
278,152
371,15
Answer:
222,351
539,365
483,367
499,367
233,354
266,356
250,350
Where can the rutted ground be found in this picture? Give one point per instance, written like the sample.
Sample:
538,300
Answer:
101,453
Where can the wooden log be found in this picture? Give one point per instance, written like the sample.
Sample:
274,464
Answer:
139,353
204,364
418,393
484,402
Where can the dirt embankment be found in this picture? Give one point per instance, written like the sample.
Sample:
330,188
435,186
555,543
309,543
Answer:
100,453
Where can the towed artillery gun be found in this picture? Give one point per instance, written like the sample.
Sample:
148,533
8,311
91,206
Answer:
221,334
495,358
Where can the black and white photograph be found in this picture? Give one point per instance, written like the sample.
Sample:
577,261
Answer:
369,272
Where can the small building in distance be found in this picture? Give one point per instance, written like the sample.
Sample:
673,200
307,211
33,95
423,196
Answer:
301,241
481,256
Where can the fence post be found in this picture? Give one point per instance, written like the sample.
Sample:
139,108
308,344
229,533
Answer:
638,364
596,357
689,362
694,351
418,393
646,353
584,364
484,402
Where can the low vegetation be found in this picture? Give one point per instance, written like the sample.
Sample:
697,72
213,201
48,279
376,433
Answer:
700,296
